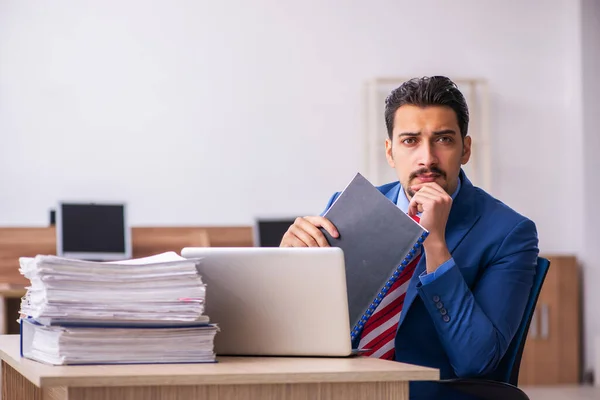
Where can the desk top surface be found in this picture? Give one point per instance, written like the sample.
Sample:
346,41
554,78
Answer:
228,370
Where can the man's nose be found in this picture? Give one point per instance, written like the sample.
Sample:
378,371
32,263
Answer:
427,156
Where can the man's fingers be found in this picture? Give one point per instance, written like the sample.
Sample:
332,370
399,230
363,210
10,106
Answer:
413,207
301,233
313,231
291,240
436,187
428,184
430,188
419,200
305,232
324,223
423,195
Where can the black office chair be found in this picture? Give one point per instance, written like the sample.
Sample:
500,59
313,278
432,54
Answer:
502,384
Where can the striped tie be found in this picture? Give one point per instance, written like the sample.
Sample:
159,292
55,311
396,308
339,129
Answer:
379,332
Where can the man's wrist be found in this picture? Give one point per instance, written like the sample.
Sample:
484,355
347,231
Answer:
437,253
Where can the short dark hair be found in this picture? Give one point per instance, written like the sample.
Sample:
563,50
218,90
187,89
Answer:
428,91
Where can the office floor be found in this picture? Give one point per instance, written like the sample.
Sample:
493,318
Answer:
563,393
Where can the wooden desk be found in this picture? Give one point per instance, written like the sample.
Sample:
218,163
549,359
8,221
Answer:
247,378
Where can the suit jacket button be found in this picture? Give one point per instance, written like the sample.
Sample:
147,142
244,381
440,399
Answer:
439,305
446,318
436,299
443,311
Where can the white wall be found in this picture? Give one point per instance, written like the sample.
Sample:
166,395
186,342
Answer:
212,112
591,183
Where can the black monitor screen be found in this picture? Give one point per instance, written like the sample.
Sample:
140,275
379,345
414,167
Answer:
92,228
271,231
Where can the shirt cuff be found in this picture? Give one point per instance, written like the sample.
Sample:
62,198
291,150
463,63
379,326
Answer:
428,278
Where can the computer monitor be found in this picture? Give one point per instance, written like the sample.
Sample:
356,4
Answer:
268,232
93,231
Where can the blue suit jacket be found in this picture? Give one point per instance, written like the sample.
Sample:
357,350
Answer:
484,295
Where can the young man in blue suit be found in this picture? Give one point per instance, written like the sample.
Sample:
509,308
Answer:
465,299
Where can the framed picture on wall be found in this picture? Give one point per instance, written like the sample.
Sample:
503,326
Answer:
376,168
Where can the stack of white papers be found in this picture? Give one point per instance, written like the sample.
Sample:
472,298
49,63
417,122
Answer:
57,345
147,310
165,287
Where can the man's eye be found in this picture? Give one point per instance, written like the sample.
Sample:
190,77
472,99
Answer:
409,141
445,139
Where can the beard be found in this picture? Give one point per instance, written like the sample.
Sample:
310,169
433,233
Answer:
431,170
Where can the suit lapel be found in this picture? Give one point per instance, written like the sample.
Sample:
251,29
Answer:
463,216
392,194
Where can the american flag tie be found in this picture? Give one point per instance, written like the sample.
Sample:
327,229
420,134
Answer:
379,333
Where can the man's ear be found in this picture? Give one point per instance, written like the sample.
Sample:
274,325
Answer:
388,153
466,150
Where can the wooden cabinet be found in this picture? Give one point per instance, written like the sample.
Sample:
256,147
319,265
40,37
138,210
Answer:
552,349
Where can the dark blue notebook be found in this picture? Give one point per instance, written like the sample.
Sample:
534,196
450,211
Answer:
378,240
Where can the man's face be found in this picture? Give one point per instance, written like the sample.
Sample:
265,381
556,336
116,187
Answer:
426,146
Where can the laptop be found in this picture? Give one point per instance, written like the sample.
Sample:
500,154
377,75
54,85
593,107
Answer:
276,301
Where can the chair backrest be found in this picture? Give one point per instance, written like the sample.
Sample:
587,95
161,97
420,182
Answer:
508,369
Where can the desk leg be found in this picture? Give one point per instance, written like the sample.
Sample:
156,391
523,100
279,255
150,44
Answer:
16,387
317,391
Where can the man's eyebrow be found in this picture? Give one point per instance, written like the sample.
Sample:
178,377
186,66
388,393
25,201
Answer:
444,132
409,134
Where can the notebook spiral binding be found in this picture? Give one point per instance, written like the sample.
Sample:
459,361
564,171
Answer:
358,327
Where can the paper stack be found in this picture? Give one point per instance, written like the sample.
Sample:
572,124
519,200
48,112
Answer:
147,310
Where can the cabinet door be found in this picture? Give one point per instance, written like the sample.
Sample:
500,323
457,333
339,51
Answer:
527,367
545,342
568,320
551,354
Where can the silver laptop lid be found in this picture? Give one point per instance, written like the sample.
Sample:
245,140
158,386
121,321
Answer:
276,301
